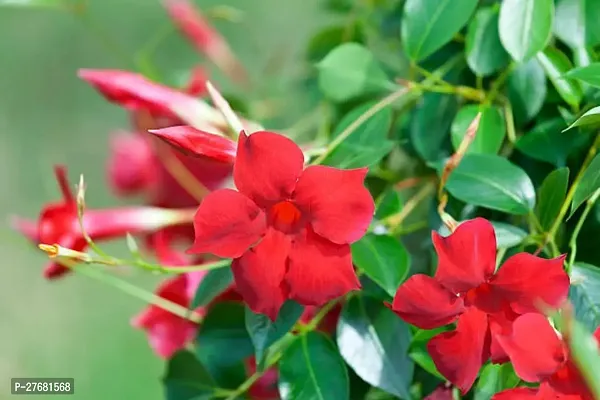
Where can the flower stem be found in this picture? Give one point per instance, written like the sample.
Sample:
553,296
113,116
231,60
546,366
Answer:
134,291
395,220
573,242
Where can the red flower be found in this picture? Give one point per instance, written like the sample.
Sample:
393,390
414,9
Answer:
466,288
289,230
166,331
539,355
58,223
135,92
265,388
205,38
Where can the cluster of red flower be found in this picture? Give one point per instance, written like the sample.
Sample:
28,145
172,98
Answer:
288,230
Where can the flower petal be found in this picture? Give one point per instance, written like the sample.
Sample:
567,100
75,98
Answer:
568,381
527,281
534,349
338,204
467,257
259,273
227,224
194,142
267,167
132,166
517,394
423,302
319,270
459,354
500,325
135,92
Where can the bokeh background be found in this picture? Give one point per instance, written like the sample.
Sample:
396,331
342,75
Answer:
76,327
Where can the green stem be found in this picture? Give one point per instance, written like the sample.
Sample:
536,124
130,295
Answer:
495,88
383,103
573,242
565,206
176,269
134,291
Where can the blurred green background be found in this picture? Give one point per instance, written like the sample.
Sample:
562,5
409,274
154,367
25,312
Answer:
76,327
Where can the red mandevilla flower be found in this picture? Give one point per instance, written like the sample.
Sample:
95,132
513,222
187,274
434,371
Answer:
288,229
58,223
466,288
539,355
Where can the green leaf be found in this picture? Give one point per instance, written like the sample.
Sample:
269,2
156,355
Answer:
547,142
525,26
187,379
265,332
418,351
508,235
312,369
427,25
527,90
212,285
374,342
584,294
349,71
494,379
492,182
389,203
551,195
326,40
485,54
583,349
490,134
367,145
590,182
576,22
430,124
589,119
556,64
589,74
383,259
223,340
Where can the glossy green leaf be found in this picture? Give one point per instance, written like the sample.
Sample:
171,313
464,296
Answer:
374,342
312,369
418,350
349,71
583,349
491,131
492,182
576,22
590,182
383,259
590,119
187,379
494,379
527,90
367,145
556,64
508,235
589,74
485,54
431,123
427,25
547,142
212,285
265,332
584,294
525,26
551,196
389,203
223,339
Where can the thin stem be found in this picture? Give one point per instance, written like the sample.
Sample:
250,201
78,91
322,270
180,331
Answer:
395,220
573,242
135,291
383,103
495,88
565,206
